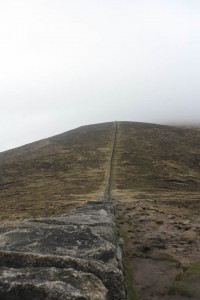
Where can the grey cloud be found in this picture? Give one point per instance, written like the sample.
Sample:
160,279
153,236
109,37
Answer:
69,63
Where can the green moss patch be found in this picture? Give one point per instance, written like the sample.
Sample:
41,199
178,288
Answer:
129,276
128,269
188,282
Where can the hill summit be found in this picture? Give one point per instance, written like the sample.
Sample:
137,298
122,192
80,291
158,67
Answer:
153,173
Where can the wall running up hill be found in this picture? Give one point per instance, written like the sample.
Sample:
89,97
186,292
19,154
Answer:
73,256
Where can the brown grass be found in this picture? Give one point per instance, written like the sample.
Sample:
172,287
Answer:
156,185
53,176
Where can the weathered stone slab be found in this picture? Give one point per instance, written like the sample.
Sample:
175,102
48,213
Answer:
111,276
81,243
98,205
101,222
72,240
50,284
88,217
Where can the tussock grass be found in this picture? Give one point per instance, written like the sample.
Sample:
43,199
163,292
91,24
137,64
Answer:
187,283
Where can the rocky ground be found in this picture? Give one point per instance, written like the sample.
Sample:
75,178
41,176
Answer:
156,187
161,244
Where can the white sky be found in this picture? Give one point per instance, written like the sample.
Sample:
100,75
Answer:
67,63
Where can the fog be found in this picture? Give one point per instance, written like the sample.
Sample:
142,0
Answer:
64,64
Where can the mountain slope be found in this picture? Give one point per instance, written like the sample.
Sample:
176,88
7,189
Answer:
156,185
157,157
53,175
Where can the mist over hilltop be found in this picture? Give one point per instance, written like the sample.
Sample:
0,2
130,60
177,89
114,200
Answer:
66,64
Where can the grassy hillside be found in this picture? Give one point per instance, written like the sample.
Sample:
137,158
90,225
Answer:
156,184
54,175
157,157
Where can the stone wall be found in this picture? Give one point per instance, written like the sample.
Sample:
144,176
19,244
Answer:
74,256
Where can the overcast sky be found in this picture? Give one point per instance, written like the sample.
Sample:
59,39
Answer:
67,63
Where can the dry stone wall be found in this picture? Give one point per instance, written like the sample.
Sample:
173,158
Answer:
74,256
